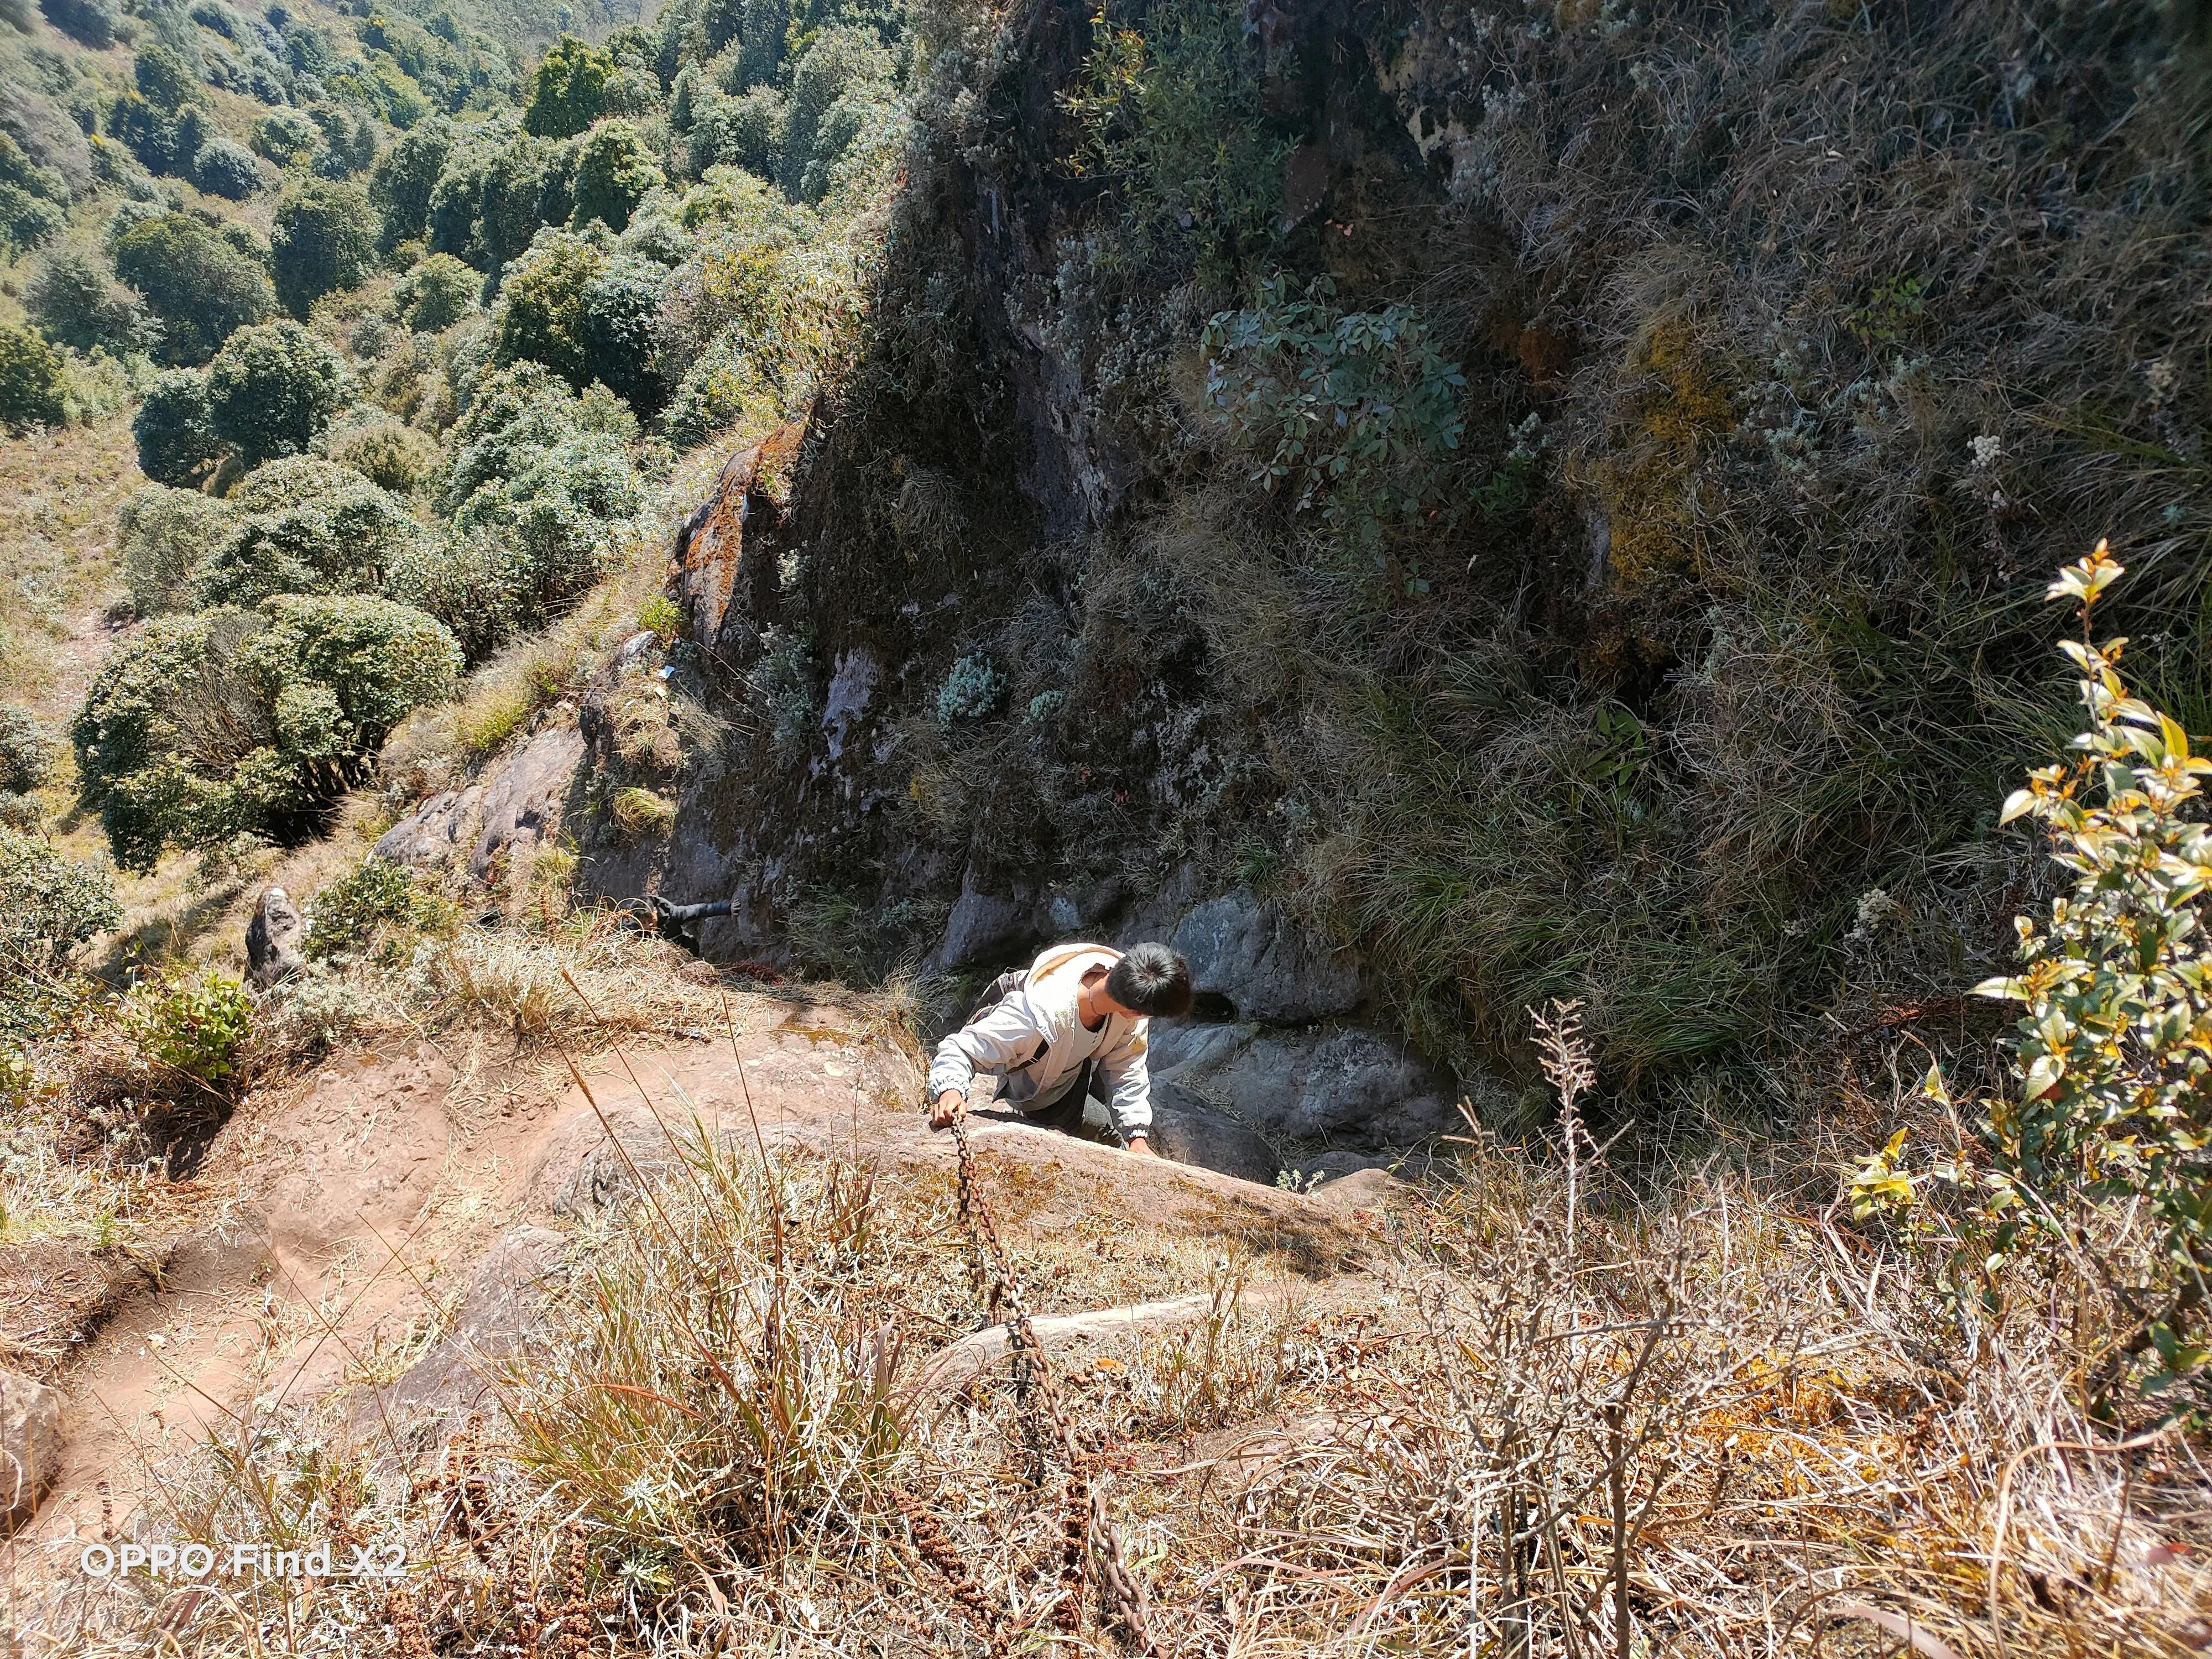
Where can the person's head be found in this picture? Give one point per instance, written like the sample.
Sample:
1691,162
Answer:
1150,980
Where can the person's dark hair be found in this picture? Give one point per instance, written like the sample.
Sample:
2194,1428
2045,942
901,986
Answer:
1152,979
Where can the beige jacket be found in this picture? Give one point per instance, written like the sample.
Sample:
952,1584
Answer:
1036,1040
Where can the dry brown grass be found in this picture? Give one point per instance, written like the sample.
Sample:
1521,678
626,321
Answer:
59,493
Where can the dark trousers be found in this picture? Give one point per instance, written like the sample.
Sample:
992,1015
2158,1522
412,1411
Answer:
1066,1114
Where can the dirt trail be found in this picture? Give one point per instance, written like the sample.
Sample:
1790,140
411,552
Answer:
376,1188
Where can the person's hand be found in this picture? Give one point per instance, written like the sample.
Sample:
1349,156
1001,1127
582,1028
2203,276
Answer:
947,1110
1141,1147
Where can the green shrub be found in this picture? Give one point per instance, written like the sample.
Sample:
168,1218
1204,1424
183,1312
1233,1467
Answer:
844,69
405,176
285,136
26,752
174,429
349,139
436,294
75,302
323,240
162,537
389,454
204,285
49,906
272,390
193,1020
30,381
585,313
1351,411
222,168
717,392
347,915
472,583
615,168
93,22
341,539
567,90
228,722
2112,1112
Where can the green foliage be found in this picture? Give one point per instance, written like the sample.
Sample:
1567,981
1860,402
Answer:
162,536
162,78
348,143
192,1020
567,91
661,615
1351,411
200,282
91,22
585,312
1892,310
271,391
285,136
842,88
174,429
406,174
1172,113
473,583
222,168
614,170
341,537
26,752
35,200
436,294
323,239
973,689
347,916
229,722
2113,1061
524,185
389,454
30,381
49,906
717,391
163,140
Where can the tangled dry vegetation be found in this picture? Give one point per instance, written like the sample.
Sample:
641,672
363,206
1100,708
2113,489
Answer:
1694,1410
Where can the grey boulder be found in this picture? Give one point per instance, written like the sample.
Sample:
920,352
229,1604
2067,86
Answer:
30,1446
1264,962
1345,1086
273,939
1189,1131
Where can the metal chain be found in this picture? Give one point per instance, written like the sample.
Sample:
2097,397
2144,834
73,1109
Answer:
1034,1382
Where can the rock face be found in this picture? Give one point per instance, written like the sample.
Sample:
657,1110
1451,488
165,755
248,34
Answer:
517,804
1189,1131
497,1311
30,1446
1264,964
273,939
1343,1085
987,929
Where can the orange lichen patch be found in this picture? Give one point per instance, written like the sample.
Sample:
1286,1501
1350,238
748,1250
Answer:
1647,486
751,488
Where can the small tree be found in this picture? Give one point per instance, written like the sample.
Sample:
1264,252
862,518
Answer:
162,78
569,89
26,752
399,189
202,285
92,22
225,169
272,390
75,302
285,136
162,537
436,294
49,906
30,381
614,171
175,430
323,239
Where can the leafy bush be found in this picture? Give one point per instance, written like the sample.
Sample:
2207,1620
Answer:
716,391
349,139
341,538
26,752
586,313
346,916
93,22
323,239
228,722
193,1020
272,390
2113,1063
1352,411
436,294
285,136
30,381
567,90
174,429
202,283
222,168
405,176
971,690
846,70
389,454
614,170
35,200
162,78
49,906
473,583
162,537
75,302
163,140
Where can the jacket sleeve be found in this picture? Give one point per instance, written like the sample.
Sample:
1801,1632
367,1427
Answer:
1004,1038
1129,1080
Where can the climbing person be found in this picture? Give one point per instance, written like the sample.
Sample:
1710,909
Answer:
1070,1025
